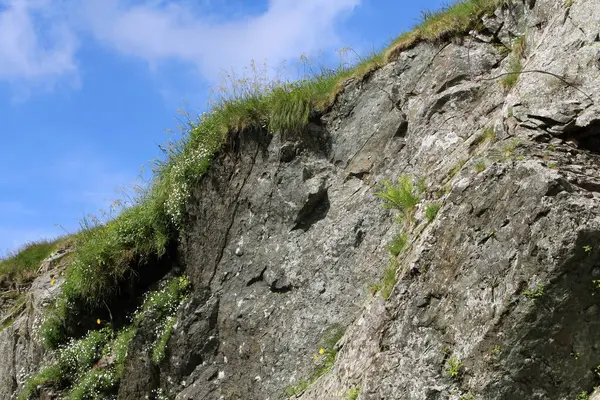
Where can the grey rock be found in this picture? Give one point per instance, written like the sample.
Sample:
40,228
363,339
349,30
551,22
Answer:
500,281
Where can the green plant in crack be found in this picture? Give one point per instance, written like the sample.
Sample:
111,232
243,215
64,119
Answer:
534,294
454,367
515,65
388,281
496,350
480,166
509,148
398,244
352,394
432,210
402,196
583,396
488,135
324,360
456,169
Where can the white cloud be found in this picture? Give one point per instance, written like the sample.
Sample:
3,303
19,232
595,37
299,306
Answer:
36,43
39,38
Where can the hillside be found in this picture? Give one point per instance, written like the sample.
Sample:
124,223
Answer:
423,226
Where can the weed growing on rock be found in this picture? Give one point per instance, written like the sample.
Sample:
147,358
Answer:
403,196
587,249
509,148
496,350
164,334
488,135
534,294
480,166
456,169
398,244
515,66
583,396
352,394
453,367
431,211
388,281
325,360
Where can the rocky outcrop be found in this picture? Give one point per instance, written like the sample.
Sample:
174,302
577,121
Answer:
21,351
496,298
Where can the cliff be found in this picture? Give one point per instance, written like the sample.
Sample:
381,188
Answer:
489,289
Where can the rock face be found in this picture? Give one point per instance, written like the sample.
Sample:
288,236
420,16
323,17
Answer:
495,298
20,349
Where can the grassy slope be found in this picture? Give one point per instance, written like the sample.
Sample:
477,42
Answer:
21,266
110,251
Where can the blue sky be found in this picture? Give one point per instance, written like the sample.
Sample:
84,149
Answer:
87,89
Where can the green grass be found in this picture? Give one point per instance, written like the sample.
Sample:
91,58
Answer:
325,361
77,366
456,169
454,367
432,210
488,135
352,394
47,376
480,166
455,19
18,306
515,65
388,280
583,396
21,266
509,148
160,346
534,294
398,244
403,196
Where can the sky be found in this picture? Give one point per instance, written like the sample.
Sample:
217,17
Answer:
89,89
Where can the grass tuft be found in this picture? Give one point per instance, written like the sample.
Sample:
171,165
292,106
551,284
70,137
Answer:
47,376
398,244
455,19
515,65
432,210
403,196
388,281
